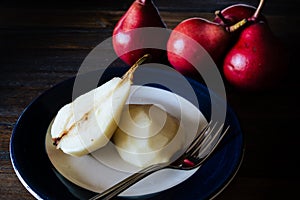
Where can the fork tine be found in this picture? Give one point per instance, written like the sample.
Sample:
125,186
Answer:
207,135
198,138
200,143
208,141
214,147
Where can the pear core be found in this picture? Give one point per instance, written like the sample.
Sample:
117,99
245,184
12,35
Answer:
147,135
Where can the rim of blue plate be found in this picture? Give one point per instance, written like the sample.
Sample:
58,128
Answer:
39,177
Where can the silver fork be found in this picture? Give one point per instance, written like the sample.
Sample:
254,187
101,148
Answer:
193,157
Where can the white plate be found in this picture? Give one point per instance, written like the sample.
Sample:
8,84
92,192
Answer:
104,168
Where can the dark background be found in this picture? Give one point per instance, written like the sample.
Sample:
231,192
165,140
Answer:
44,42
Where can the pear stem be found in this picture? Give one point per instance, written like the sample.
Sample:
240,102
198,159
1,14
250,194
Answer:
237,25
258,10
244,21
129,73
143,2
223,19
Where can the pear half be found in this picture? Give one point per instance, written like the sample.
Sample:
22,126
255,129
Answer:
147,135
88,123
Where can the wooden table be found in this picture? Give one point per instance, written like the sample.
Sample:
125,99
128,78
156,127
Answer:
44,42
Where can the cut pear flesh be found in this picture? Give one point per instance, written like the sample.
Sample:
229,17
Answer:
88,123
147,135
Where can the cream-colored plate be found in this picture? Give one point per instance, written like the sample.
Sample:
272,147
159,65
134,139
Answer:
104,167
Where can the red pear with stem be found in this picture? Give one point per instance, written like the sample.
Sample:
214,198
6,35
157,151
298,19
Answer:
235,13
189,37
258,60
142,13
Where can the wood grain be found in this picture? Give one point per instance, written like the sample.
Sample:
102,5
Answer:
42,44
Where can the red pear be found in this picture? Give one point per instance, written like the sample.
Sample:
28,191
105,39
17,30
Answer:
236,13
183,44
257,61
142,13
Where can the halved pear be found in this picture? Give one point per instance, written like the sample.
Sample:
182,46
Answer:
147,135
88,123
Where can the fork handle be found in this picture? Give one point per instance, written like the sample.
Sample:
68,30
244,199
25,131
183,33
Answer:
127,182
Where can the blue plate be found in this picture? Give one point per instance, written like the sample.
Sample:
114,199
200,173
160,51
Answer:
35,171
